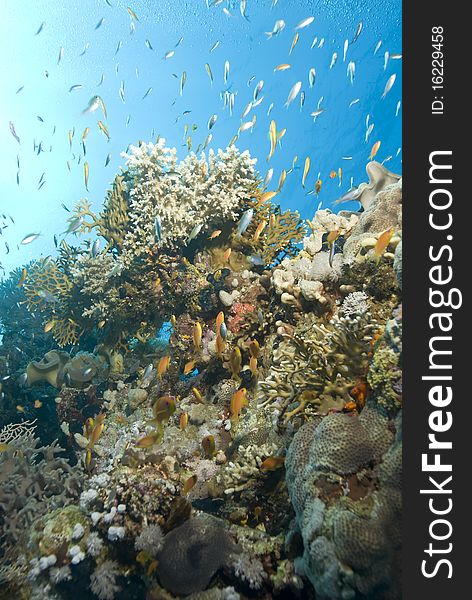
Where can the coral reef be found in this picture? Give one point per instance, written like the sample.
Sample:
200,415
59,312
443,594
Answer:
225,381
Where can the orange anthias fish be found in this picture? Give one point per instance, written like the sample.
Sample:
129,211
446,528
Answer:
254,348
148,440
235,361
189,367
332,174
253,365
272,463
220,345
220,319
197,395
215,234
382,243
227,254
163,365
197,336
238,400
259,230
375,149
183,421
266,196
22,279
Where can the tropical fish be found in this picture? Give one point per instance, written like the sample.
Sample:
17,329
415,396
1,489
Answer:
368,132
278,27
95,248
312,76
197,336
183,421
226,71
215,46
214,234
41,27
245,126
375,149
317,112
100,23
331,239
389,85
149,90
30,238
318,184
77,86
85,134
183,79
86,174
293,93
294,43
346,45
163,365
268,177
22,279
211,121
235,362
354,102
208,70
306,169
195,231
258,89
382,243
272,463
227,254
386,57
321,44
334,58
148,45
163,408
107,160
189,367
223,331
254,348
358,32
377,47
209,446
396,56
351,71
253,365
169,54
282,67
260,228
238,401
13,132
61,54
283,177
197,395
398,107
148,440
244,221
132,14
305,23
148,376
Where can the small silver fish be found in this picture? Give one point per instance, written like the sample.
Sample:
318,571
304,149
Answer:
386,57
169,54
246,110
41,27
293,93
398,107
334,58
95,248
211,121
244,221
377,47
312,76
118,47
358,32
314,42
258,89
346,45
195,231
29,238
147,93
223,330
268,177
317,112
368,132
354,102
278,27
269,110
61,54
389,85
305,23
226,71
77,86
351,71
100,23
215,46
13,131
158,228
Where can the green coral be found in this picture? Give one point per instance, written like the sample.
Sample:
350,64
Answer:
384,373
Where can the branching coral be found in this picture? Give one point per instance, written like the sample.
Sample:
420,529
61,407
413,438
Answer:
319,364
195,192
280,232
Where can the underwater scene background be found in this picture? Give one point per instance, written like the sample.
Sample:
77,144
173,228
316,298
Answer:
200,299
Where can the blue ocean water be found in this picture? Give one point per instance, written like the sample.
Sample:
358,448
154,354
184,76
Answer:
103,42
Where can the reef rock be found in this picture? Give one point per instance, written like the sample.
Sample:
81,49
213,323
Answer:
50,368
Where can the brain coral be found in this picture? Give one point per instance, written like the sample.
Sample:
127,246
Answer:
191,555
344,474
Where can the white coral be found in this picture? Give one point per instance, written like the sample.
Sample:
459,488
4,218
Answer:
197,191
103,580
